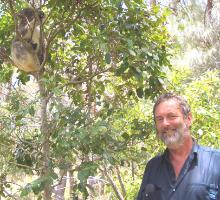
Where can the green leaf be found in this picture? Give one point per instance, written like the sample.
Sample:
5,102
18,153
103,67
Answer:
140,92
125,136
108,58
132,52
31,111
123,67
23,77
26,190
87,169
38,185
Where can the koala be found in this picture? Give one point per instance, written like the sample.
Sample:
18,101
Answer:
29,26
24,56
26,50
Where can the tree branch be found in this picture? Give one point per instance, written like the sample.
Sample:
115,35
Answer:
120,181
112,183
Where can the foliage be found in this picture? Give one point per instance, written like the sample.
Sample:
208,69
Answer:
92,105
206,105
102,56
195,73
196,37
203,95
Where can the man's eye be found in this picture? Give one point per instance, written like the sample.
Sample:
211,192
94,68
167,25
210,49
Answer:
172,117
159,119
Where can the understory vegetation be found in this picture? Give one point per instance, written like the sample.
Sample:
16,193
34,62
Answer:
82,127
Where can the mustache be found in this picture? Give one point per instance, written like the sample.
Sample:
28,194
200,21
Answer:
165,131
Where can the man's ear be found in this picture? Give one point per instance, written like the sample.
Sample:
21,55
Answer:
189,119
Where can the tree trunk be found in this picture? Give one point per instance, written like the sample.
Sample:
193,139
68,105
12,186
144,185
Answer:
60,189
208,12
153,3
46,140
209,9
71,182
132,170
173,5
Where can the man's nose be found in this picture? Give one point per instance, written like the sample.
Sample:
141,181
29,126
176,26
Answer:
166,121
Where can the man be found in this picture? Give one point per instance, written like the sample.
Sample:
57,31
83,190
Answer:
185,171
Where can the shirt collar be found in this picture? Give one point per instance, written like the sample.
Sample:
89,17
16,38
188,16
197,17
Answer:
193,155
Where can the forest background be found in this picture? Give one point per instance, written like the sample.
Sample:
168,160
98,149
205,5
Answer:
84,128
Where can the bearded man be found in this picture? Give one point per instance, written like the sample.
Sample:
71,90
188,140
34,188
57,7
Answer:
186,170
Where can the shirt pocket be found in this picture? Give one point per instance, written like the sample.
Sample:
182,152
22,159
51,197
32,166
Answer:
200,191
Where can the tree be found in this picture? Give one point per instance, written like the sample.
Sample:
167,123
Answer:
99,55
197,44
208,10
153,3
195,71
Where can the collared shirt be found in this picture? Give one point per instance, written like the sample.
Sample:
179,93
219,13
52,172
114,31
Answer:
199,178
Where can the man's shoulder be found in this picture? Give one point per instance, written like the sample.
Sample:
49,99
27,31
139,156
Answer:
209,152
208,149
155,159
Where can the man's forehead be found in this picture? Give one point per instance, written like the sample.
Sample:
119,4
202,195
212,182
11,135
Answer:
170,104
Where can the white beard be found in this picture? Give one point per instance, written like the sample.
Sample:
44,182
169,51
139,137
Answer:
173,137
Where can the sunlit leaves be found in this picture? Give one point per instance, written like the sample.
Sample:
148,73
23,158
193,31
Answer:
102,57
203,95
38,185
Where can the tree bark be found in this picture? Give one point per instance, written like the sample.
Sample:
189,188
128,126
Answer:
120,181
132,170
114,186
209,9
173,5
60,189
47,193
153,3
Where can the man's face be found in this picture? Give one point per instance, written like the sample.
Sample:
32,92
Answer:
171,124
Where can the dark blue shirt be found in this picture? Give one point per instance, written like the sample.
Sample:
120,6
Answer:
199,179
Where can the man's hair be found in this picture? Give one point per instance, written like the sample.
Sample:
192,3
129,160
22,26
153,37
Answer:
185,108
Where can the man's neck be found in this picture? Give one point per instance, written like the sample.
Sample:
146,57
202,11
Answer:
179,155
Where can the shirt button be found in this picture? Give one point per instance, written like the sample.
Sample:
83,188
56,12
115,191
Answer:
174,189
